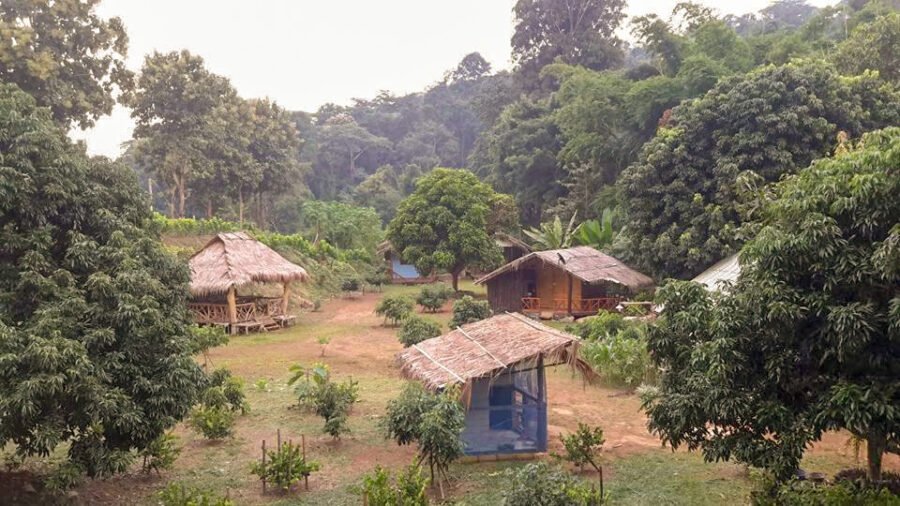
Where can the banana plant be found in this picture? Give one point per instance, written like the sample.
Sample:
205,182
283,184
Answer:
552,235
594,233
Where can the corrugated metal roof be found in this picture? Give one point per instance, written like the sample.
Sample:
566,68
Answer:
726,270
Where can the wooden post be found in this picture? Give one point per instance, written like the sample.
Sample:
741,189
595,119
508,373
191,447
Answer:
264,465
570,294
285,297
305,476
232,308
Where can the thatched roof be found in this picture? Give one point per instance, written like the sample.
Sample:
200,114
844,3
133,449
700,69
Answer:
724,271
236,259
505,240
486,348
582,262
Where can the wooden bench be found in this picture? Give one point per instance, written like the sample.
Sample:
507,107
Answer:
248,327
286,320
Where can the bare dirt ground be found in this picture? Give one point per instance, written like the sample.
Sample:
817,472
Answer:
361,348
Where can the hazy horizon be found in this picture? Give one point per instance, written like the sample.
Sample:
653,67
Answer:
303,54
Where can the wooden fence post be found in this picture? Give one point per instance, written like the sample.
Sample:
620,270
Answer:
264,465
303,445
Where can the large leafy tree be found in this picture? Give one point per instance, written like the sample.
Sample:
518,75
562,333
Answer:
94,336
65,56
519,156
808,339
682,195
579,32
448,223
342,145
873,46
183,129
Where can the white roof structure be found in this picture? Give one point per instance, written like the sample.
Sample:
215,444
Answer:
726,270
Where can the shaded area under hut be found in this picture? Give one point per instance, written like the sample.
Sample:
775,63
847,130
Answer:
232,261
576,281
499,362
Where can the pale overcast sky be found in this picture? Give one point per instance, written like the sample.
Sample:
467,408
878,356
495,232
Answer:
303,53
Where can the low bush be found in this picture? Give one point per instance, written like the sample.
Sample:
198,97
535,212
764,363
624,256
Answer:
417,329
805,493
394,308
65,476
541,483
332,401
379,278
583,446
617,349
225,391
213,422
285,466
433,297
177,494
468,310
350,285
409,489
160,455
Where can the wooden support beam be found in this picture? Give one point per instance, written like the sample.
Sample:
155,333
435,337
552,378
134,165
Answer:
232,308
569,298
285,298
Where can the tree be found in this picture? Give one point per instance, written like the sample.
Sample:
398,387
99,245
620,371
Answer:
341,143
873,46
417,329
519,156
553,235
472,67
178,108
806,341
578,32
682,195
468,310
65,56
94,334
448,223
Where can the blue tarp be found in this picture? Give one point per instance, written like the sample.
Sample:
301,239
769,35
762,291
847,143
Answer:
404,270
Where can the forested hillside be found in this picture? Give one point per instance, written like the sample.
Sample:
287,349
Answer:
666,131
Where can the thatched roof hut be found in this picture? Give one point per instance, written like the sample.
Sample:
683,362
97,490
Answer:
233,260
499,362
576,281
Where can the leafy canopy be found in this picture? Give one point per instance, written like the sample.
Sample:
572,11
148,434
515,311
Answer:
95,343
808,339
448,223
683,198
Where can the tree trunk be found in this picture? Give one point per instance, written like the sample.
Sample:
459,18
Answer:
875,445
241,206
455,275
181,195
209,210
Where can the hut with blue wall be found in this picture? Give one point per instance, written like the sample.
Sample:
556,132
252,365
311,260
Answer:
500,365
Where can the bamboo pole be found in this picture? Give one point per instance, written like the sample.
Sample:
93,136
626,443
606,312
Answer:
264,465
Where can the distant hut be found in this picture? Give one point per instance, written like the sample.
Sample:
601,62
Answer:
499,363
232,261
401,273
407,274
575,281
721,274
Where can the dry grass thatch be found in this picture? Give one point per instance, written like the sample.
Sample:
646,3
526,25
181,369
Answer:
236,259
582,262
487,348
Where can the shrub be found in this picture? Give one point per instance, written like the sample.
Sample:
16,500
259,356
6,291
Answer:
65,476
409,490
584,446
176,494
350,285
317,304
284,466
404,414
225,391
323,342
206,338
805,493
617,349
330,400
541,483
379,278
467,310
213,422
433,297
394,308
161,453
417,329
